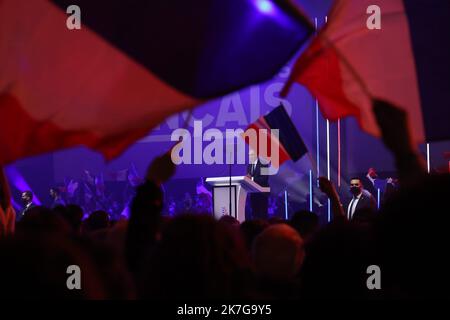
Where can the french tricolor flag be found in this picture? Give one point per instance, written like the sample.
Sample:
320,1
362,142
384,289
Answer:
406,62
286,142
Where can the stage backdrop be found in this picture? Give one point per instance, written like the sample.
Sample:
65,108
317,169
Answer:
339,159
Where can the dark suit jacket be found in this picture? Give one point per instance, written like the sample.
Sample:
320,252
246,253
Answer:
364,203
24,211
255,172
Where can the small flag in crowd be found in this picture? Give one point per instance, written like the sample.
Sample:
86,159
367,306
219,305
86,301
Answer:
405,62
289,142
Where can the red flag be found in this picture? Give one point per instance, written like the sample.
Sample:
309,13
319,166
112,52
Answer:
128,67
348,64
62,88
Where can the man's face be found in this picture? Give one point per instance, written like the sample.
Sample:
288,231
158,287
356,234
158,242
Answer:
25,198
372,173
52,193
252,156
355,186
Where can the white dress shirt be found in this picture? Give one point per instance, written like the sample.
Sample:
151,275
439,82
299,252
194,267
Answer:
352,206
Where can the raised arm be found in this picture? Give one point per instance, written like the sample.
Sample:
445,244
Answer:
328,188
396,136
143,225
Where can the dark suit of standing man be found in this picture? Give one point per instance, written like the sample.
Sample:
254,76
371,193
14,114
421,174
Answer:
362,200
27,199
258,201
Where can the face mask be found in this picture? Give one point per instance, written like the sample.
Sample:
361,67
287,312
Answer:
354,190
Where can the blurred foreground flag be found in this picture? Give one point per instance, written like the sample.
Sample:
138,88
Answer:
289,143
131,65
406,62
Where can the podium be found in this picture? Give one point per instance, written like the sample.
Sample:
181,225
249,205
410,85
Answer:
240,187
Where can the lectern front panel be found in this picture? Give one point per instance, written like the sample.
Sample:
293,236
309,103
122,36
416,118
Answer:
221,200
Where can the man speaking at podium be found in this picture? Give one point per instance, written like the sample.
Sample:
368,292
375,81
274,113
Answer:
258,201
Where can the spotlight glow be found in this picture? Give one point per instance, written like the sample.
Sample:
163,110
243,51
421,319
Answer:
19,182
264,6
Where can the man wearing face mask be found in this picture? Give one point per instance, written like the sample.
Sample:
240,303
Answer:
361,200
